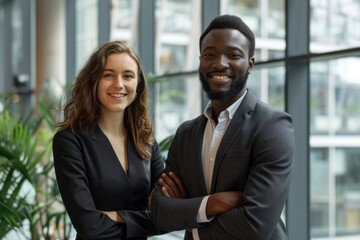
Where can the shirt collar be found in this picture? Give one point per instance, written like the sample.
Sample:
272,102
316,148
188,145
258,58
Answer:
230,110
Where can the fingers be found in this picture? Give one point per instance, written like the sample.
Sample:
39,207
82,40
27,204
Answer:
179,184
165,192
172,185
168,187
165,189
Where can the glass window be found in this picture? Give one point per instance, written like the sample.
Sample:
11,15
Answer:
18,78
319,191
268,84
345,171
177,30
334,25
335,98
335,192
86,30
17,31
335,148
124,19
177,98
3,39
266,19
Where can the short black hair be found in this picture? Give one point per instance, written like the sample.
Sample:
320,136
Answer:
234,22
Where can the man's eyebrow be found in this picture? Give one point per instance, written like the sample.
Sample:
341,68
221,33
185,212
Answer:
235,48
209,47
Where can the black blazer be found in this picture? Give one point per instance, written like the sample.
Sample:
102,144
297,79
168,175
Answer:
255,156
91,179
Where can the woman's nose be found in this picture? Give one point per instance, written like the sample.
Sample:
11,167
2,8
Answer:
119,81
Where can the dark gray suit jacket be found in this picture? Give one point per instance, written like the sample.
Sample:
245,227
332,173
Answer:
255,156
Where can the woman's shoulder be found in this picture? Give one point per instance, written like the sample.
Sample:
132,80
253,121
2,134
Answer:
63,132
71,133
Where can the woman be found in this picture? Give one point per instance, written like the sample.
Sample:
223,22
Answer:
105,156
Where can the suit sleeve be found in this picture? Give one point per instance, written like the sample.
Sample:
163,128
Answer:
139,223
72,180
165,215
266,189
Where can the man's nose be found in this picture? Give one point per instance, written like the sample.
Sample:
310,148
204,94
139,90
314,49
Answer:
220,62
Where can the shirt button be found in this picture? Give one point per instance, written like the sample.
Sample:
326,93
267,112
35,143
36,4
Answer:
212,159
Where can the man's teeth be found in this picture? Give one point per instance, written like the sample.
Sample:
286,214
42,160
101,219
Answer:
220,77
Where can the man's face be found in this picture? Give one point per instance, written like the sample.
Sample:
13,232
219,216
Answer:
224,63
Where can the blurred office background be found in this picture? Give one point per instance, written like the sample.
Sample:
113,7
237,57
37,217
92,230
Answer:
307,63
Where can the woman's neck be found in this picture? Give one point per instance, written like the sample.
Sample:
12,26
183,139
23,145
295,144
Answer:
113,125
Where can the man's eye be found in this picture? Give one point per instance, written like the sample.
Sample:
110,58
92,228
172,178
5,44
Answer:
208,55
235,55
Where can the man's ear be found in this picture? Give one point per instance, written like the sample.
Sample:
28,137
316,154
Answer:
251,63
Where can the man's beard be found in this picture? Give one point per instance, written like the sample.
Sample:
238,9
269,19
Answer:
236,86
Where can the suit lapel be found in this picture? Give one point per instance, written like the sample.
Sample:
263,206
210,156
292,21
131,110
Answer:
198,139
241,115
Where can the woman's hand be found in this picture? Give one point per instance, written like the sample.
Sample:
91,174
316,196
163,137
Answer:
172,186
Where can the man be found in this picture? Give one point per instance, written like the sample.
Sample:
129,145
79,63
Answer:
228,171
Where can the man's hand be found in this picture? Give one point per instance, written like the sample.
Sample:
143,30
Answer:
172,186
221,202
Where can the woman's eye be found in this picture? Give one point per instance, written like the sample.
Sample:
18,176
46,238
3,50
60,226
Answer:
128,76
107,75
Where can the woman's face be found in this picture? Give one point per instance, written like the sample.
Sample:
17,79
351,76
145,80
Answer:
117,86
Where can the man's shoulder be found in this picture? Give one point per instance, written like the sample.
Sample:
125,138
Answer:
192,123
267,109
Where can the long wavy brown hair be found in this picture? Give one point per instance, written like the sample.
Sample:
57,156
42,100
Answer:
82,110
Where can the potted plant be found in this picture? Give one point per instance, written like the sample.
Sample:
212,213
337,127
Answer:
29,199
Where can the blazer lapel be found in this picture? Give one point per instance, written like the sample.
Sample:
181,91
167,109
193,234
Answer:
233,130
